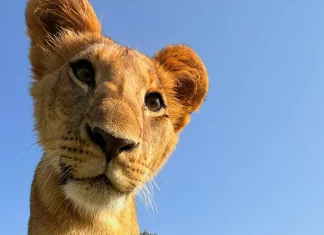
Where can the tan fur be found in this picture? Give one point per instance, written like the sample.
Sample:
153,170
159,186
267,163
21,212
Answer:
64,31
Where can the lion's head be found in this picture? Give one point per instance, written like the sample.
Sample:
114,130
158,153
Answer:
107,116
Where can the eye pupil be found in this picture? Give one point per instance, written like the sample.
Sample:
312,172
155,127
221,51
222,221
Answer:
84,71
154,102
84,75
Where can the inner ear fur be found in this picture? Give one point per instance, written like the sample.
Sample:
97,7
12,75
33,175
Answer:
49,20
185,79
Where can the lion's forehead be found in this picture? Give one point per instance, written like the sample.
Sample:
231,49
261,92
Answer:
120,68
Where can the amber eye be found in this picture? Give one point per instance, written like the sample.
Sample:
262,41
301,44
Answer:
84,71
154,102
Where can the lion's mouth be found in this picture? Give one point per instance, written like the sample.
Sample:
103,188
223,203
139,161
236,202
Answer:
100,179
67,176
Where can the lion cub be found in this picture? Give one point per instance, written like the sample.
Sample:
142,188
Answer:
107,118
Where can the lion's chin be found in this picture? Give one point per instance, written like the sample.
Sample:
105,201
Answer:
94,194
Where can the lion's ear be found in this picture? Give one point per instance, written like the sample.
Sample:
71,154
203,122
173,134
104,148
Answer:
185,80
47,18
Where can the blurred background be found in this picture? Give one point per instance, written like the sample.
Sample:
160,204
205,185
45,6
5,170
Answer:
251,161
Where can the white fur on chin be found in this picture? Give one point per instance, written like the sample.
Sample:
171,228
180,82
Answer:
94,199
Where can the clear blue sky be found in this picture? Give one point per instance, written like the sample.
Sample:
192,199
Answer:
252,160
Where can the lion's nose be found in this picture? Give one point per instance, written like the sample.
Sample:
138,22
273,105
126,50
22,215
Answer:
110,144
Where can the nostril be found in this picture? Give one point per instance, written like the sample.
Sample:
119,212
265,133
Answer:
96,136
128,147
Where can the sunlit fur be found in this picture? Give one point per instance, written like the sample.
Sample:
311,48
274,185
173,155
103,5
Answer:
77,200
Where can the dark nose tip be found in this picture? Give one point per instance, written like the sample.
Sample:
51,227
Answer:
110,144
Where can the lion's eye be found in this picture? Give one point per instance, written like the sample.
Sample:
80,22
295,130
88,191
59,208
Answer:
84,71
154,102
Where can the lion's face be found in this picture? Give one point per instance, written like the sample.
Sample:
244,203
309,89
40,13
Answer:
104,123
107,116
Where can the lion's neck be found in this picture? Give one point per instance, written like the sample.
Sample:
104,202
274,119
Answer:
52,214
